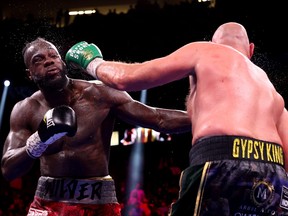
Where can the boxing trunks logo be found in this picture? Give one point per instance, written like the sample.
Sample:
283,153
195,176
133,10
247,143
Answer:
85,191
36,212
262,193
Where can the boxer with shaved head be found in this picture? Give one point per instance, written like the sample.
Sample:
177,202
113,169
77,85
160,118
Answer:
240,123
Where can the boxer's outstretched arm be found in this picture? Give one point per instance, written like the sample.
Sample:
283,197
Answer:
159,119
134,76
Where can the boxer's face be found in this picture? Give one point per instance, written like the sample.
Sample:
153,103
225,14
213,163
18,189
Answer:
45,66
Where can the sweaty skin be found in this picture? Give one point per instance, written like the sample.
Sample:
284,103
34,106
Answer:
229,94
86,155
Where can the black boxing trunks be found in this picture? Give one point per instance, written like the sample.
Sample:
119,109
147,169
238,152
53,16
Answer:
233,176
75,197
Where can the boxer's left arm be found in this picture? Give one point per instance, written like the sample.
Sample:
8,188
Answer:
159,119
138,75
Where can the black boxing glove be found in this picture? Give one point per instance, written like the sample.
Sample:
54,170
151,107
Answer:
57,122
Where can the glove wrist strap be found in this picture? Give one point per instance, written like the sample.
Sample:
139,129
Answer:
92,67
34,146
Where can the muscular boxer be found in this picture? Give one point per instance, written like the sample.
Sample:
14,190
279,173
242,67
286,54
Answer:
239,121
67,124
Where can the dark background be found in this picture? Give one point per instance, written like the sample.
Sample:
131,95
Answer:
146,31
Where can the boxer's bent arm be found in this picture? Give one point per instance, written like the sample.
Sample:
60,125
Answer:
15,161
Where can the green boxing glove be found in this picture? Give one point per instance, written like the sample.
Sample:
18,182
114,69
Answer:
82,54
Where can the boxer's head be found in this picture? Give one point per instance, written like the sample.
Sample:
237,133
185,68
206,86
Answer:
235,35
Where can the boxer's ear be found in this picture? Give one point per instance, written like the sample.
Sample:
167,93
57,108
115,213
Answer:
251,49
28,74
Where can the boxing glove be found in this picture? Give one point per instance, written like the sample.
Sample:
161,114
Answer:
82,54
57,122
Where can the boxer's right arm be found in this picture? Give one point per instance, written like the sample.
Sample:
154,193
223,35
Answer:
57,122
84,56
15,161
